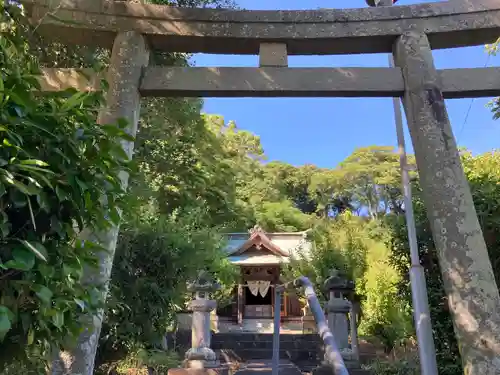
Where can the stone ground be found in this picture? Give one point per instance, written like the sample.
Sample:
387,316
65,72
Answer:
260,326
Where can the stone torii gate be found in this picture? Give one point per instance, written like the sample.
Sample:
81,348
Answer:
130,30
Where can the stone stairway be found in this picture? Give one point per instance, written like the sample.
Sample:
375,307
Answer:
299,354
252,352
306,348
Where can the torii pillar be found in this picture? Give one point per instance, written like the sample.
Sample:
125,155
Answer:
130,54
468,277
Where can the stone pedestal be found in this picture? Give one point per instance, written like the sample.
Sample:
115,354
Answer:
200,356
338,308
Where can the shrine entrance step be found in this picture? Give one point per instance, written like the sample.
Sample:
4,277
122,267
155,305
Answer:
265,367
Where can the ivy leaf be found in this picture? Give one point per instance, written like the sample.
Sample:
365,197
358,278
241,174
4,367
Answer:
5,322
116,131
5,229
44,293
114,215
80,303
31,336
74,101
122,123
58,319
61,194
39,163
25,189
37,248
24,260
81,184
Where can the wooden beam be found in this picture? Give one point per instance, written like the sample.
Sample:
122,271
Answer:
282,82
327,31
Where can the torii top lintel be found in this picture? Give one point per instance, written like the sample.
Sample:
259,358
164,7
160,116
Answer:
448,24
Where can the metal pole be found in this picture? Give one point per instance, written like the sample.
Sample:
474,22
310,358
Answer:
423,325
332,353
276,334
421,313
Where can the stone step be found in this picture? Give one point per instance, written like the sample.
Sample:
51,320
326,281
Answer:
326,370
266,354
267,344
264,367
242,341
248,336
356,371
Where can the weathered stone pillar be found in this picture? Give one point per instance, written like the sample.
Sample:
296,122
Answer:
128,57
338,309
200,355
468,277
353,322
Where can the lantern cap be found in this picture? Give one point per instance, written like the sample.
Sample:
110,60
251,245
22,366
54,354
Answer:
338,282
204,282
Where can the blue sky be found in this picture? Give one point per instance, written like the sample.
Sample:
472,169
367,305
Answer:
323,131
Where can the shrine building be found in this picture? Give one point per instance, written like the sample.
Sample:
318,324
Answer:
261,257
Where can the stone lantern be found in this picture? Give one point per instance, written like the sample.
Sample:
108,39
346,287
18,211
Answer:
200,355
338,308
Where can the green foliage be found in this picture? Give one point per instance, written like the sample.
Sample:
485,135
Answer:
59,173
281,217
494,104
445,341
483,173
356,246
293,182
142,362
372,176
154,260
385,315
395,367
183,198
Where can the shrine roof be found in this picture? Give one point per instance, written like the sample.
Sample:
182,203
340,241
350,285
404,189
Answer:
285,244
247,259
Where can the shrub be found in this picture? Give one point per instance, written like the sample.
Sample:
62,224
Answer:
59,173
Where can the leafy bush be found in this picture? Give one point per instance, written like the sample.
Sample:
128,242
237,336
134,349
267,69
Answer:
59,173
357,247
154,260
142,362
483,174
402,360
401,367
